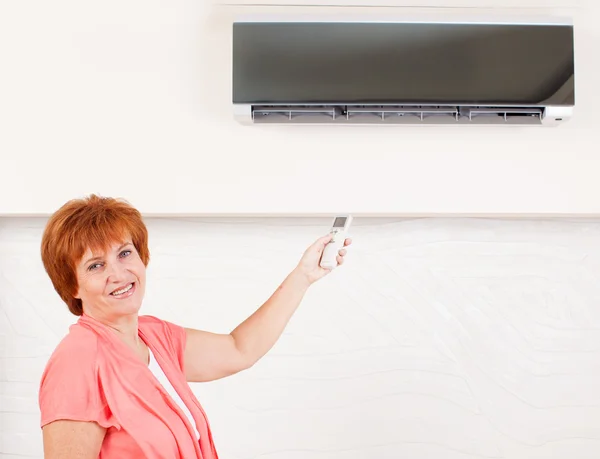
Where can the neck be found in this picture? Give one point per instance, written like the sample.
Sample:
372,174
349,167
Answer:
125,327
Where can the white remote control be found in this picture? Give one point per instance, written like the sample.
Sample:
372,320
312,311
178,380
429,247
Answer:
339,231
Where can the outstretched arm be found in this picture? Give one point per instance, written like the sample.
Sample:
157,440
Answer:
210,356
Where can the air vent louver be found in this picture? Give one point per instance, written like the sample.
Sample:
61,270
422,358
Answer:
395,114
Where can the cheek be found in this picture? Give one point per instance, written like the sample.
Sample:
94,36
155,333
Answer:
139,268
93,285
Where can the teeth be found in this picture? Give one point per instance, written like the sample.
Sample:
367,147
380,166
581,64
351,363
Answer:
123,290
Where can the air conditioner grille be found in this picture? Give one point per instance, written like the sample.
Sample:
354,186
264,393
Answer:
395,114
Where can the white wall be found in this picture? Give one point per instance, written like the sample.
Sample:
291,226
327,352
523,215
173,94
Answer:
132,98
439,338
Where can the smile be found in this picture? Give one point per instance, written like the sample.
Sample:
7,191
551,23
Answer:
124,292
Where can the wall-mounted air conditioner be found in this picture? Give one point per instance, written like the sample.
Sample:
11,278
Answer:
414,72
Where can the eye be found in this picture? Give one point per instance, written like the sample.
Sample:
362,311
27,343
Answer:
125,253
94,266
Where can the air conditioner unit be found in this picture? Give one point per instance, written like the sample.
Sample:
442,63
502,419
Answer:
406,72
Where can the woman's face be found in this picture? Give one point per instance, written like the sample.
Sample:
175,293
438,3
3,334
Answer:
112,283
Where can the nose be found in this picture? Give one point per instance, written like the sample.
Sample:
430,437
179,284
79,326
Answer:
116,273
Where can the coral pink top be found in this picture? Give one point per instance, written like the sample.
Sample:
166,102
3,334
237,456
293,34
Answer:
94,376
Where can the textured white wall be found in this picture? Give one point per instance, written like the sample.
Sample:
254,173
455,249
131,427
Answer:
453,338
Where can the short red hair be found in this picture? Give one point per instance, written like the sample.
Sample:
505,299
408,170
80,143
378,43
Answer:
93,222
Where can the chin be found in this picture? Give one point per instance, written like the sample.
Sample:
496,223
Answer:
134,308
127,308
134,305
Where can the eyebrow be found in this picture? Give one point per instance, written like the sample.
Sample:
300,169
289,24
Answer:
98,258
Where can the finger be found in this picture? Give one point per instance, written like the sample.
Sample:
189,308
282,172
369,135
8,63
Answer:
340,260
343,252
323,241
319,245
348,241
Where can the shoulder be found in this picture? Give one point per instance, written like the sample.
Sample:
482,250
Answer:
150,322
69,386
78,349
154,325
162,333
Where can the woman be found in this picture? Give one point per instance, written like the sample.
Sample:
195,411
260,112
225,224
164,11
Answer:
117,385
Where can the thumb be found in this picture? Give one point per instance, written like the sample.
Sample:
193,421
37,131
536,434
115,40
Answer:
323,241
319,245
